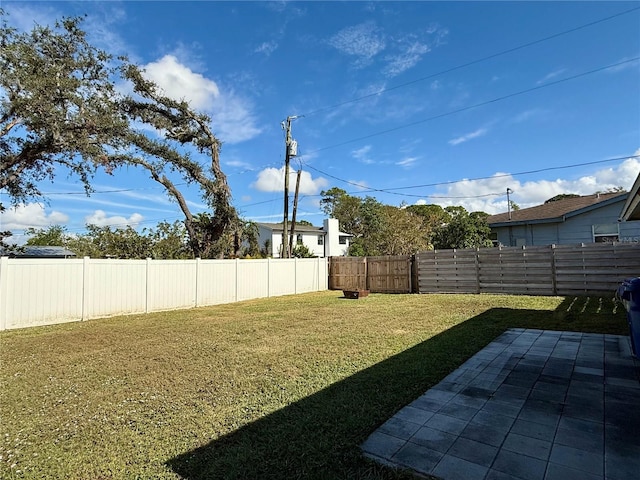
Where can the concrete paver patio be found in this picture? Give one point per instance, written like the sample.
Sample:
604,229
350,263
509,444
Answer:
532,405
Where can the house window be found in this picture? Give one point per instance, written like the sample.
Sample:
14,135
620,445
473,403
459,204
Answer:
342,239
494,239
320,239
606,233
299,239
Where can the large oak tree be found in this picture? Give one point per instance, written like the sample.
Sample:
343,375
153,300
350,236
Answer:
59,107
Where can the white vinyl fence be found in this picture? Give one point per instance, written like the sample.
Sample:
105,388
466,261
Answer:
47,291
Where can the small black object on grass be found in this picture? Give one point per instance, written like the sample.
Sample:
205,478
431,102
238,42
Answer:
355,294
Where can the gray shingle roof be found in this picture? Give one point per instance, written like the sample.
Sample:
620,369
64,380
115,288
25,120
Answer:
555,211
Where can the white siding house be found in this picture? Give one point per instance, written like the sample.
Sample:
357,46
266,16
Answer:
325,241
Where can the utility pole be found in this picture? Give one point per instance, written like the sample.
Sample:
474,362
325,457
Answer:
509,191
289,152
295,209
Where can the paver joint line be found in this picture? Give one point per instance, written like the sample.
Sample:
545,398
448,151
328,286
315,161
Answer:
532,405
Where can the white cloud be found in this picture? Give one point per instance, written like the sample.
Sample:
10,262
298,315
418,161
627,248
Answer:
359,184
406,59
231,114
362,155
363,41
238,164
491,193
180,83
233,121
100,218
267,48
31,215
25,17
469,136
366,40
110,203
272,180
624,64
407,162
551,75
408,49
528,114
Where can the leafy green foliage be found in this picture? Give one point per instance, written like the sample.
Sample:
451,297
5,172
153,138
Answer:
55,235
386,230
301,251
108,242
464,230
209,233
57,107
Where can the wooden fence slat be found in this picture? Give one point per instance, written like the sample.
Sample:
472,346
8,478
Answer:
541,270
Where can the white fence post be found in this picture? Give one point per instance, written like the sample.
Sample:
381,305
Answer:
197,281
237,278
323,281
295,275
146,286
4,291
85,288
268,277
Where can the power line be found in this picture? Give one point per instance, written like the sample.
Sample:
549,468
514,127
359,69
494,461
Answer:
121,190
528,172
473,62
481,104
437,184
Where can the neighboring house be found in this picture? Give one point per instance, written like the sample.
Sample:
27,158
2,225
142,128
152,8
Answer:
31,251
631,209
325,241
587,219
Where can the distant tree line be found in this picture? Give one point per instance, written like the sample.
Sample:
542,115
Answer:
380,229
165,241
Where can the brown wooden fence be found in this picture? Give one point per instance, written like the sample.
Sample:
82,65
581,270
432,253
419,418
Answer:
550,270
387,274
586,269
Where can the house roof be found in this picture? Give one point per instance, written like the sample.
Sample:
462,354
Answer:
32,251
557,211
299,228
277,227
631,209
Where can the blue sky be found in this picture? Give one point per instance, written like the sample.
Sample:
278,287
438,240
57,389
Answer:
404,101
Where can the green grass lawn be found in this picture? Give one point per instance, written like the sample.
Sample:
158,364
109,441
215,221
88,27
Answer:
284,387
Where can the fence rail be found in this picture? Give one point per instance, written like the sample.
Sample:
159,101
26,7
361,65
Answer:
585,269
47,291
384,274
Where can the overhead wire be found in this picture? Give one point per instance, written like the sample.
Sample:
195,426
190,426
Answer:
481,104
472,62
458,67
438,184
133,189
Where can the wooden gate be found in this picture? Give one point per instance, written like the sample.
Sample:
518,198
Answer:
385,274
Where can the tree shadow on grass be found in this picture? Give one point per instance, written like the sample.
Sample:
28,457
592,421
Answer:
319,436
